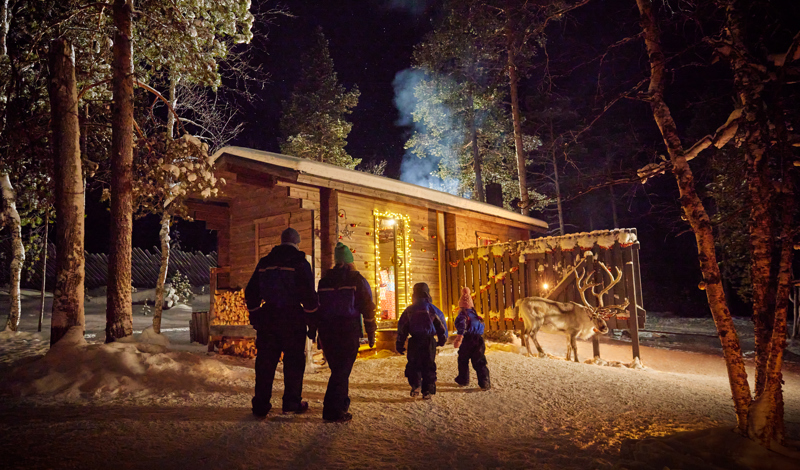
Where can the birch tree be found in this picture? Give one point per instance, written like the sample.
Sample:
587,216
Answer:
25,169
760,128
168,172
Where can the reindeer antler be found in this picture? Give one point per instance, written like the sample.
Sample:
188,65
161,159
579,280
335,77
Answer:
614,281
582,289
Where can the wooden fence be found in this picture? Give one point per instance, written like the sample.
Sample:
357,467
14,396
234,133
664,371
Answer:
501,274
144,268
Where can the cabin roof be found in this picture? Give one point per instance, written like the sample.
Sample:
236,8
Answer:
381,183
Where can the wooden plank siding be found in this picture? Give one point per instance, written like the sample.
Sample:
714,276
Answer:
258,215
356,215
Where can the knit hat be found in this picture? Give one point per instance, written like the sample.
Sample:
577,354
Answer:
466,299
342,254
290,236
421,291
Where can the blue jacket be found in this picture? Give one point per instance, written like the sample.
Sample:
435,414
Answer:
421,318
281,289
468,322
344,297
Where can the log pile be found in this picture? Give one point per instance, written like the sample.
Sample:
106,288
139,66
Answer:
241,347
230,308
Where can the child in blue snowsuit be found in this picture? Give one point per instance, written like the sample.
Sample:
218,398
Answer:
422,320
469,327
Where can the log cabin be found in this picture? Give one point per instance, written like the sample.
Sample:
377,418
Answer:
399,232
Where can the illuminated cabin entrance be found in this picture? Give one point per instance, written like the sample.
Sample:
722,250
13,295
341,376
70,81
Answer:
392,267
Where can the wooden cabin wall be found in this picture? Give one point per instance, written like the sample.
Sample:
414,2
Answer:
258,215
358,210
462,232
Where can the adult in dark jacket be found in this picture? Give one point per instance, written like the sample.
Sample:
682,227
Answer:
280,296
422,320
344,298
469,342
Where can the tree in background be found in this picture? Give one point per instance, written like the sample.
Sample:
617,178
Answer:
314,124
459,109
516,28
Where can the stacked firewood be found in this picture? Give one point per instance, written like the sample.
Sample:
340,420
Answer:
241,347
230,308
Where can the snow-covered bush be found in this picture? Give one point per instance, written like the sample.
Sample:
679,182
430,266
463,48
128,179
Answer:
182,287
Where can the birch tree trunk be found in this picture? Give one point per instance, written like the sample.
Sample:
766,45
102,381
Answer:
12,219
476,155
558,196
119,322
44,269
163,235
4,27
698,218
173,101
68,291
522,170
765,141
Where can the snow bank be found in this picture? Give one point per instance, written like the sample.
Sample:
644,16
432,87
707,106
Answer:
74,369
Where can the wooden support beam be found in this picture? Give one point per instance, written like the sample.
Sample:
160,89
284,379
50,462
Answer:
328,232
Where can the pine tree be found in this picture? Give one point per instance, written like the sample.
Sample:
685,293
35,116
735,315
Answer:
313,123
460,113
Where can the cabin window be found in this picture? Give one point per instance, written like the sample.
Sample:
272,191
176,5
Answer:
392,267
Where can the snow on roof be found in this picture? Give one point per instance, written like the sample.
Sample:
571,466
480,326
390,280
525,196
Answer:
584,240
381,183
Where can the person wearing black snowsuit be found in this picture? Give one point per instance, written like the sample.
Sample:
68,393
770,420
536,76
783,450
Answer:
422,320
470,344
280,296
344,298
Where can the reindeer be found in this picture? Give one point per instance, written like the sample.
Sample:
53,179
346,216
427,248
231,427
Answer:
568,318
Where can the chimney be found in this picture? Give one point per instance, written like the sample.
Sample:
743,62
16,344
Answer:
494,194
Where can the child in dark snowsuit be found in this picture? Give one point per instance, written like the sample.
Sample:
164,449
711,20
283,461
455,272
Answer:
469,327
422,320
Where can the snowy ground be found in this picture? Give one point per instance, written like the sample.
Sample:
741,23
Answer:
141,405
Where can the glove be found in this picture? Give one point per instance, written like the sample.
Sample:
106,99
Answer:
457,341
371,339
441,342
312,334
401,350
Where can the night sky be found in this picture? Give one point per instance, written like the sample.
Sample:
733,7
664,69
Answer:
370,42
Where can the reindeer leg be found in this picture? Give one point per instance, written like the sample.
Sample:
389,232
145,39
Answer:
569,349
574,346
538,346
527,336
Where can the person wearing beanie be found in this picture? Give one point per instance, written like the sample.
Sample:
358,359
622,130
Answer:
280,297
345,297
422,320
469,342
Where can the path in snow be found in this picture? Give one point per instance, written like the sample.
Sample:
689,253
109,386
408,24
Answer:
543,413
139,406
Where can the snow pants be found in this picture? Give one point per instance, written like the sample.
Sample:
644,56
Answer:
473,348
270,343
340,352
421,367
